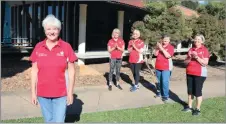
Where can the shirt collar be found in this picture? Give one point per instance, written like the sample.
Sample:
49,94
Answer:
114,40
167,45
58,44
137,40
199,47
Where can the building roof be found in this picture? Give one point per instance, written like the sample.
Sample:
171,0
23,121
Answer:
137,3
132,3
186,11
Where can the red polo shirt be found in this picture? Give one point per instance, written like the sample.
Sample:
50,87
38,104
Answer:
194,67
116,54
135,56
51,67
163,63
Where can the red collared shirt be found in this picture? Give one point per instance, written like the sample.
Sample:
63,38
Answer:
116,54
194,67
135,56
163,63
51,67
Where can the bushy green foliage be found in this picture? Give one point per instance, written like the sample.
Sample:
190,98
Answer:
214,8
164,20
212,29
192,4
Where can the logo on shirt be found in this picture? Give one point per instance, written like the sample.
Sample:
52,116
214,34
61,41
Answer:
60,53
41,54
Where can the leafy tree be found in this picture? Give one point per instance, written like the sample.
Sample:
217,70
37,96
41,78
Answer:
162,19
214,8
202,9
156,7
171,22
213,31
171,3
190,4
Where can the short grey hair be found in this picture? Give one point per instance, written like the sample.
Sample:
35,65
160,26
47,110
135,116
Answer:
51,20
165,36
201,36
116,30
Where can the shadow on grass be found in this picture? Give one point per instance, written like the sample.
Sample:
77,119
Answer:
74,111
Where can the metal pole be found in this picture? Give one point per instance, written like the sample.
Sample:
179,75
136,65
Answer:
3,6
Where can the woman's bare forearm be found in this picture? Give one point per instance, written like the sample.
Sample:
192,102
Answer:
166,54
156,52
111,49
121,49
34,77
130,49
138,50
203,62
71,75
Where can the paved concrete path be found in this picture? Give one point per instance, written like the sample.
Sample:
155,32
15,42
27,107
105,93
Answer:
16,105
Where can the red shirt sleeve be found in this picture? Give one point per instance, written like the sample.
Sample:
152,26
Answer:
33,57
206,53
171,50
109,44
71,54
140,45
129,44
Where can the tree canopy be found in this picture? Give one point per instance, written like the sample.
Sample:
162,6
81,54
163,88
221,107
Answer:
163,20
192,4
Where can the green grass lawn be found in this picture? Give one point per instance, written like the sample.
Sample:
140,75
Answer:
213,110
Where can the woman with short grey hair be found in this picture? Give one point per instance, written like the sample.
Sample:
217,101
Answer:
50,59
197,60
116,48
135,49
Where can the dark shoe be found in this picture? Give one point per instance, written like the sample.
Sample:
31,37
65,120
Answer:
133,88
158,94
110,88
119,87
165,100
137,86
196,112
187,109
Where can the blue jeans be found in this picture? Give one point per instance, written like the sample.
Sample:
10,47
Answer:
163,82
53,109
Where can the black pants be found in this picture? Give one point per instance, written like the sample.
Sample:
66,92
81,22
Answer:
195,85
135,68
115,64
